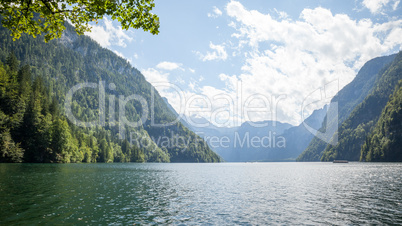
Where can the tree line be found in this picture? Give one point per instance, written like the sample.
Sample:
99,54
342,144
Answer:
32,129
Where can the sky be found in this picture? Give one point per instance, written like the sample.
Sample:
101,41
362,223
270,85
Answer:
236,61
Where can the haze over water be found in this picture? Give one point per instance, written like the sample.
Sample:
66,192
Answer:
227,193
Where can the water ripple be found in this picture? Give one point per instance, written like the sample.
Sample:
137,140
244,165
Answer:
208,194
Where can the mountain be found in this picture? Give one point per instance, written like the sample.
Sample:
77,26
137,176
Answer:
385,142
275,141
72,60
354,130
298,137
234,144
345,101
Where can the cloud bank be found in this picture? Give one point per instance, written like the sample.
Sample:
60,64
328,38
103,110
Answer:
284,61
108,34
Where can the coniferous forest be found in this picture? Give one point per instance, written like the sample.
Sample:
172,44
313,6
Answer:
108,108
35,78
353,132
385,142
34,130
369,128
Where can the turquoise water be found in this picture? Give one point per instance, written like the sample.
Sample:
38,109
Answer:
226,193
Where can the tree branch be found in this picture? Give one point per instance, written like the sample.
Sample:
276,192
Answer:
48,7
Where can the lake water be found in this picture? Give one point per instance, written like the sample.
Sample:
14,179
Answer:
219,194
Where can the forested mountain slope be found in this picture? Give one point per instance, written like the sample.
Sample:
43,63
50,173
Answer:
298,137
62,64
385,142
275,141
347,99
354,130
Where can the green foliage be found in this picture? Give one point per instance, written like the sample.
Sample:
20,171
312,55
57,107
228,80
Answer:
348,98
12,62
385,142
9,150
32,129
353,131
62,144
48,16
34,98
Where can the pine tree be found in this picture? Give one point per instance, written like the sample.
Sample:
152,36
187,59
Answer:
35,131
9,150
12,62
25,79
62,145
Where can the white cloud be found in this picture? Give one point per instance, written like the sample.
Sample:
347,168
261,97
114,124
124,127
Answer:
375,6
130,60
395,5
184,100
192,86
295,58
281,14
179,80
169,66
218,53
109,34
215,13
171,88
284,61
119,54
154,76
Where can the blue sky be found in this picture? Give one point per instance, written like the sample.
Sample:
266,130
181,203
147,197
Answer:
285,58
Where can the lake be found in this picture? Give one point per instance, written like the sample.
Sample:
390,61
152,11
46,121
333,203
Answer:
219,194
